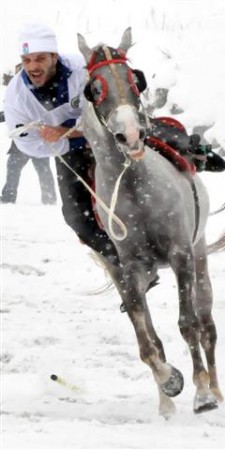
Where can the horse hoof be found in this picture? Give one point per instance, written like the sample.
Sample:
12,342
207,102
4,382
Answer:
175,383
203,403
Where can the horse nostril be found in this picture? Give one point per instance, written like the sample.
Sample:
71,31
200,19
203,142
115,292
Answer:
120,138
142,134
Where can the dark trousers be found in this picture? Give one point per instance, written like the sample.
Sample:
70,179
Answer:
77,205
15,163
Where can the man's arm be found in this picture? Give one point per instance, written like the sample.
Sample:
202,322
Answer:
39,141
31,141
54,134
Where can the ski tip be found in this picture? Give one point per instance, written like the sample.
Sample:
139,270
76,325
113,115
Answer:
54,377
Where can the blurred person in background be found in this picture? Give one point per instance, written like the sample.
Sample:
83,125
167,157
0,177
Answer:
15,163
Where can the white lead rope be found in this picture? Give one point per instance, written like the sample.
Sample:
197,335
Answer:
32,125
110,211
113,205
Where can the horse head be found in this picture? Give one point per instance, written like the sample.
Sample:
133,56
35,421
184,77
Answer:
114,90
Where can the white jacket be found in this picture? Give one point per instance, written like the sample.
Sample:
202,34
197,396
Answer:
22,107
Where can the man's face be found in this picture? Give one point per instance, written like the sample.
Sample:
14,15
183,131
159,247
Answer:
40,67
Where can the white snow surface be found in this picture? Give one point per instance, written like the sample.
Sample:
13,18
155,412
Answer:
54,317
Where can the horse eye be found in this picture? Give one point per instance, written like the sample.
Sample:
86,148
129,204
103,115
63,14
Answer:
96,88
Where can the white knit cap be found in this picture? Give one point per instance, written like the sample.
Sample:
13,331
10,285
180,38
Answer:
37,38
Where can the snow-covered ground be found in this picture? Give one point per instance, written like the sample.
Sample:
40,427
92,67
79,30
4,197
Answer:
55,319
53,322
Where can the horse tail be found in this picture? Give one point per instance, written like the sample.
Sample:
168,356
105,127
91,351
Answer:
107,287
217,211
218,245
100,262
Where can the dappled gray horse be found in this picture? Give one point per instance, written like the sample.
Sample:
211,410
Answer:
156,203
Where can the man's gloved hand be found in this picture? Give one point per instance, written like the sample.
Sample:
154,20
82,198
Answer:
198,152
203,156
198,149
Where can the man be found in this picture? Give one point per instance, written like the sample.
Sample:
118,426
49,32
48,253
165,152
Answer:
16,162
47,90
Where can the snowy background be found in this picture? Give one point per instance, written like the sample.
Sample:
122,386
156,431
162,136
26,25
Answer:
54,317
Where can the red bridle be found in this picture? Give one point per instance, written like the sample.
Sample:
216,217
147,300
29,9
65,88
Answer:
109,61
92,67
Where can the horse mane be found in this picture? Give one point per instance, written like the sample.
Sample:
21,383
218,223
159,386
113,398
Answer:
99,45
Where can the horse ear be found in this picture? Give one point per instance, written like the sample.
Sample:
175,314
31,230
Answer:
83,47
126,41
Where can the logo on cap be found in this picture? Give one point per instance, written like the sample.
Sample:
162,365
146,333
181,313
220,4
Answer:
25,48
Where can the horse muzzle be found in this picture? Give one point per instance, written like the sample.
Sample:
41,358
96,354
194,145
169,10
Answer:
133,149
138,154
128,127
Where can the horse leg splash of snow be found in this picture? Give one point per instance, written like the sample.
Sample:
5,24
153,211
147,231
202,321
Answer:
157,204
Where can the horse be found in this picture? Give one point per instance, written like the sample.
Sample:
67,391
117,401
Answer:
156,203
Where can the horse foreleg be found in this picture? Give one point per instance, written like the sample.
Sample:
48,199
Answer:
166,405
184,266
150,346
168,379
204,300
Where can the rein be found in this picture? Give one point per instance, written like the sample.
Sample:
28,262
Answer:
189,170
167,150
